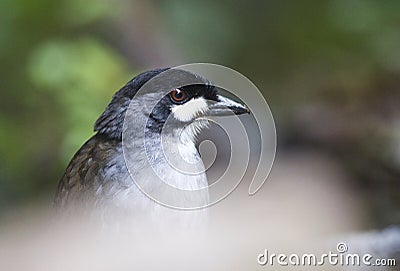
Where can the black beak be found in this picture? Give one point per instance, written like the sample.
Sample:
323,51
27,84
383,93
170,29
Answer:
226,106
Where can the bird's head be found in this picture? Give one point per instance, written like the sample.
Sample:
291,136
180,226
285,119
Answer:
178,107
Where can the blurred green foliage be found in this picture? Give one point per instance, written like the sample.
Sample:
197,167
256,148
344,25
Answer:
56,78
70,71
61,61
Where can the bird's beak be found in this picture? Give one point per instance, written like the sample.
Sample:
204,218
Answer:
226,106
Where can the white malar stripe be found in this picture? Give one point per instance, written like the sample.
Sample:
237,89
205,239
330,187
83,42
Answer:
190,110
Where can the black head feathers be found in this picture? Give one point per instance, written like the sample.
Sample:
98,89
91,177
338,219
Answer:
110,123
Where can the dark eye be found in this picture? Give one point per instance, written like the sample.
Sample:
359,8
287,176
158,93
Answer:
178,95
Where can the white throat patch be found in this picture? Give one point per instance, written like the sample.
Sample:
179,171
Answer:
190,110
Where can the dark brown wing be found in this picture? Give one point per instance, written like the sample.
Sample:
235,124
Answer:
85,173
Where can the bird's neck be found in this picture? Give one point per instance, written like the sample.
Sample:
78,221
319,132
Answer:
171,157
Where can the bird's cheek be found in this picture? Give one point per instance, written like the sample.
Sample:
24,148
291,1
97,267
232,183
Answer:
190,110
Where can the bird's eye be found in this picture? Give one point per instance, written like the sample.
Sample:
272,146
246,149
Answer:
178,95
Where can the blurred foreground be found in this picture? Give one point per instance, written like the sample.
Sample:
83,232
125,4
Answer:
298,211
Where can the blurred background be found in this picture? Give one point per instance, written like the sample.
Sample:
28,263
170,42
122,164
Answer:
330,71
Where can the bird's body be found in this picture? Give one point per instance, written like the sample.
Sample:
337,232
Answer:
96,172
101,176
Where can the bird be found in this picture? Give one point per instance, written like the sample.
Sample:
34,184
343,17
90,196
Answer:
99,179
